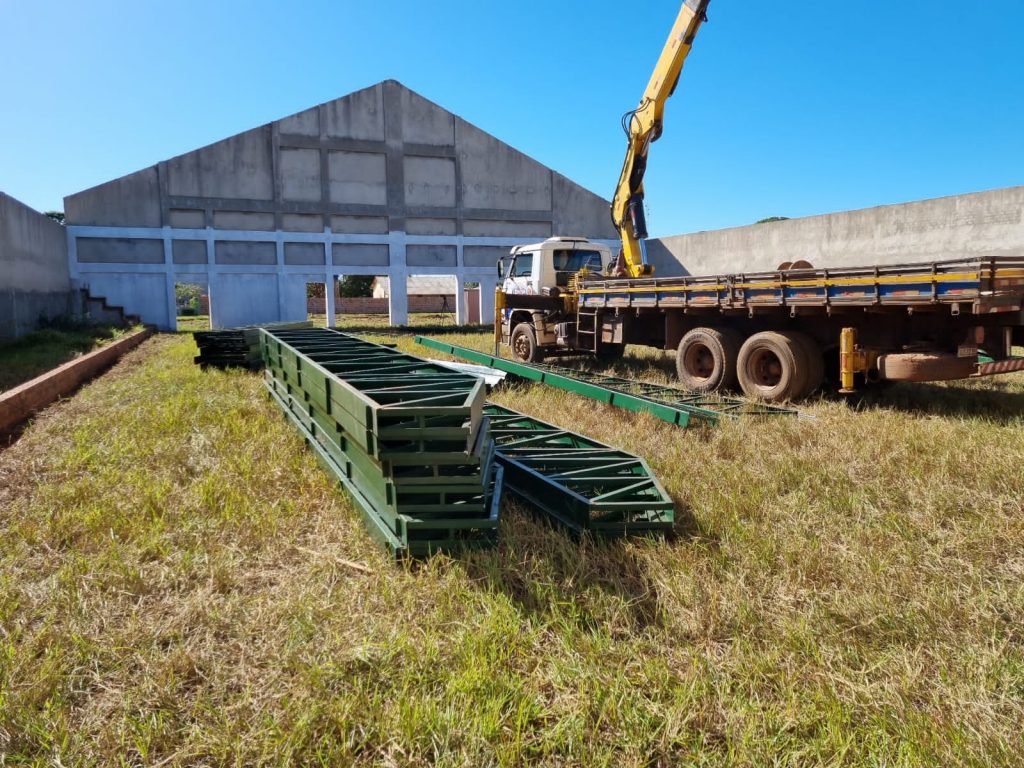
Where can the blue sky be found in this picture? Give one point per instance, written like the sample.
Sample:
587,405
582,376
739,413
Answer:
784,108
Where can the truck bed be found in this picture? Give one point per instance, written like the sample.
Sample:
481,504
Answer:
976,285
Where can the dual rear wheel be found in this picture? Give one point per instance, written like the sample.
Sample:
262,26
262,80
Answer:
770,365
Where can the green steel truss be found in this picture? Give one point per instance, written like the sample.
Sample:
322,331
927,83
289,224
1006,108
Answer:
425,458
579,482
676,406
235,347
399,408
407,439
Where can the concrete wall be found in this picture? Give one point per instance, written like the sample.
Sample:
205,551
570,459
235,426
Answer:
381,180
979,224
34,277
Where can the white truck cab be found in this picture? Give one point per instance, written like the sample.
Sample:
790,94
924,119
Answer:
545,269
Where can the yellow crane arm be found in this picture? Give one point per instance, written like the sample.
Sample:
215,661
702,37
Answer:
643,125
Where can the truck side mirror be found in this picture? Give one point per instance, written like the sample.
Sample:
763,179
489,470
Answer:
501,270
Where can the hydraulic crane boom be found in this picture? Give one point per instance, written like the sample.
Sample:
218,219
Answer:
644,125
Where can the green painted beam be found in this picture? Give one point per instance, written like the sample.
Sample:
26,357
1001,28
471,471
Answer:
406,438
579,482
675,406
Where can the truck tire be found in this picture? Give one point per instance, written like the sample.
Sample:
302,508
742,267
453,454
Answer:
772,366
925,366
815,360
523,343
706,359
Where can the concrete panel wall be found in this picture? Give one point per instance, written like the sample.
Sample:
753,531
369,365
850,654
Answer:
379,178
189,251
239,167
358,178
300,174
120,250
145,295
292,298
979,224
494,176
240,252
131,201
424,122
430,255
302,222
304,253
245,299
34,277
577,211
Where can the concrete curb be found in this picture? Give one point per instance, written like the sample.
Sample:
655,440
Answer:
24,400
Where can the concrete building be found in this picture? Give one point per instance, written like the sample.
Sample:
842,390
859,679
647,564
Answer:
34,278
379,182
979,224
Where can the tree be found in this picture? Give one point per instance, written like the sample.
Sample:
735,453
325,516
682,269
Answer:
187,296
57,216
351,286
770,219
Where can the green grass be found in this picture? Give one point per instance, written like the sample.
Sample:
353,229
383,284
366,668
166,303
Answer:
175,590
38,352
190,323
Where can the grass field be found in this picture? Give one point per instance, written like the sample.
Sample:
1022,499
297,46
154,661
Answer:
36,353
181,585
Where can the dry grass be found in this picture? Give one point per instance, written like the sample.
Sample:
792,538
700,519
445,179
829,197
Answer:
175,589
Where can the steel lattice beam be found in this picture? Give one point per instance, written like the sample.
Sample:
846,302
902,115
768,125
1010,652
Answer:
582,483
406,438
676,406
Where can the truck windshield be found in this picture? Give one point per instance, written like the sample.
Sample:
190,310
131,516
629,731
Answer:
574,261
523,266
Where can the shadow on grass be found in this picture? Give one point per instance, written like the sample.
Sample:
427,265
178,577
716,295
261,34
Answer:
626,367
947,400
547,570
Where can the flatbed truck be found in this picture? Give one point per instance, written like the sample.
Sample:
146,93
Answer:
774,334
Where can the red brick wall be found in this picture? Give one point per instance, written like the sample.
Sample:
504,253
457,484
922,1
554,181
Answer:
370,306
362,305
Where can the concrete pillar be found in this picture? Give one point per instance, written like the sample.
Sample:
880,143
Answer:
398,300
487,286
329,289
170,322
282,288
461,313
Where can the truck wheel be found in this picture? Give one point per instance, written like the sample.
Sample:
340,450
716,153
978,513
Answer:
815,362
706,359
773,367
524,344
